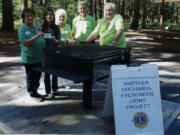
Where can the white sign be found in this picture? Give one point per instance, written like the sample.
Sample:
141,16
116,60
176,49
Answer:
136,98
47,35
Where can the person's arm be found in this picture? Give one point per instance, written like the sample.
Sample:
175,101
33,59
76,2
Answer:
119,26
57,39
29,42
117,37
73,30
92,36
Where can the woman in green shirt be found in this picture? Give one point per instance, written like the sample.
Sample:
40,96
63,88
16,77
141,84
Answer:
61,17
32,55
65,29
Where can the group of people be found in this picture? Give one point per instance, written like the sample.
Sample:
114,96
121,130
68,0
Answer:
54,31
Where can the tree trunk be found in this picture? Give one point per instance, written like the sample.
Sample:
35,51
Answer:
41,2
177,16
118,5
32,4
25,4
144,14
100,7
123,9
135,21
162,12
130,10
91,9
7,15
44,2
95,9
172,12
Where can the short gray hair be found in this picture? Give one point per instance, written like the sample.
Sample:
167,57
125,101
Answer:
58,13
82,3
110,4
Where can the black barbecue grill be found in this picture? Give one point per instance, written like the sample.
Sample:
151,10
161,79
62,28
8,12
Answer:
76,63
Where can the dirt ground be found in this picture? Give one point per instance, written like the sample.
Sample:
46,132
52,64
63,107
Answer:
164,53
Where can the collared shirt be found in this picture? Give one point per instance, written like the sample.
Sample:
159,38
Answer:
65,32
34,53
107,31
82,27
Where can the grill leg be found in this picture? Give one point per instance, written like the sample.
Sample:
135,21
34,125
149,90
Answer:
87,93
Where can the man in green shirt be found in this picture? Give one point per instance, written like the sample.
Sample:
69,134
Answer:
110,28
83,24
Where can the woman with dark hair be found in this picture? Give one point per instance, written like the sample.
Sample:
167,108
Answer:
52,37
32,44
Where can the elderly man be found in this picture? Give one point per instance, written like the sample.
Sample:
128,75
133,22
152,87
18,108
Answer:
110,28
83,25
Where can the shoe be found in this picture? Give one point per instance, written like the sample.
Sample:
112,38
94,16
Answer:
35,95
55,94
68,87
50,95
47,94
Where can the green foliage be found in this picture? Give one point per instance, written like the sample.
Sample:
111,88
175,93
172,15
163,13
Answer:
152,25
172,12
0,14
127,25
69,5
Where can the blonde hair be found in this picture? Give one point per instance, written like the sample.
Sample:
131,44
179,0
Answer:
58,13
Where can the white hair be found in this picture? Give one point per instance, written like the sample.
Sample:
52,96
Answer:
110,4
58,13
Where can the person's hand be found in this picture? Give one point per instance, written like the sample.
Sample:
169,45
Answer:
71,42
53,38
113,43
40,34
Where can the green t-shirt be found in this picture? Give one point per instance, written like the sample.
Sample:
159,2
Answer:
34,53
65,32
82,27
107,31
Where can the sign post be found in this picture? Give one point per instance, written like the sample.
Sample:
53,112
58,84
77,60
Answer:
136,100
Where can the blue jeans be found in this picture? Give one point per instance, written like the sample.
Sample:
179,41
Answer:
47,82
32,77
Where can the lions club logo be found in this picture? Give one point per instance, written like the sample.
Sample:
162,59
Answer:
140,120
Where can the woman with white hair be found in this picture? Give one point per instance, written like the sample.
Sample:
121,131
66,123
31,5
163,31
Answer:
83,24
61,17
110,28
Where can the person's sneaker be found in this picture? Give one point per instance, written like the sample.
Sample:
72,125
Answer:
49,95
67,87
